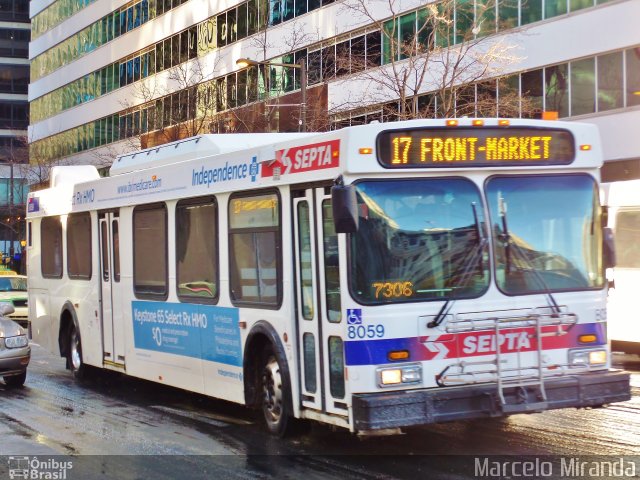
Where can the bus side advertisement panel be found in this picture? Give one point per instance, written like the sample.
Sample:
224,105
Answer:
198,331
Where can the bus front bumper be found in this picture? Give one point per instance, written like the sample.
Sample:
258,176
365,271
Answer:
374,411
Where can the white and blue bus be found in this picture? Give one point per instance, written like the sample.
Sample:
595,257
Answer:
374,278
622,201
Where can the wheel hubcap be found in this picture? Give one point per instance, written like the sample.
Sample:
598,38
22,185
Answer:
272,391
76,359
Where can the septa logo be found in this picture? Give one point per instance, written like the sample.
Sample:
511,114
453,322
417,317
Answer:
304,159
33,205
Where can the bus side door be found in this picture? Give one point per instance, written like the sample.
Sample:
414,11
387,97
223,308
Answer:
319,312
110,289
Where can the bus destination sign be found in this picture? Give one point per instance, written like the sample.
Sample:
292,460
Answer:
475,147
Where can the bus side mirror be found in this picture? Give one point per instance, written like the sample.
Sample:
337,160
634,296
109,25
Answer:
345,208
609,248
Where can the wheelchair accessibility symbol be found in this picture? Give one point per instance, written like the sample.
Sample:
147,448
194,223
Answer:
354,316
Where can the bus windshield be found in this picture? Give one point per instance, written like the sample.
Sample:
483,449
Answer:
547,232
418,240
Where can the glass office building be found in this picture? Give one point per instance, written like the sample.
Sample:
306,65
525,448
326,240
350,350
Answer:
111,76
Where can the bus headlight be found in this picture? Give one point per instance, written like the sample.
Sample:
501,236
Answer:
588,357
16,342
407,374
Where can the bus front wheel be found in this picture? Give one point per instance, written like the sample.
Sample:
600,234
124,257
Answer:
274,394
74,354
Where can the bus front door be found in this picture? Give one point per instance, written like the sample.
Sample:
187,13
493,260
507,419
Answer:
319,317
110,294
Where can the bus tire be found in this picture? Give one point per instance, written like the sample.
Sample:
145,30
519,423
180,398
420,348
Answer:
74,354
274,394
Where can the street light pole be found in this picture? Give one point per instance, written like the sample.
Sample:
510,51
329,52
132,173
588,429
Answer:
245,62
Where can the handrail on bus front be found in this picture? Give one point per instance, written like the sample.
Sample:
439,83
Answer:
458,325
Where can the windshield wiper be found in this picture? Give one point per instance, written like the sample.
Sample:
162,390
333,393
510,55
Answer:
508,243
472,256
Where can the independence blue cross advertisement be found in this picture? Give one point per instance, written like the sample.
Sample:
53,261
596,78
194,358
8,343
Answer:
198,331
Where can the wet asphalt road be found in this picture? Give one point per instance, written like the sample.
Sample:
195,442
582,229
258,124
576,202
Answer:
117,427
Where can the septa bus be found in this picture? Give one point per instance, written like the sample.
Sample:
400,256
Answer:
622,201
372,278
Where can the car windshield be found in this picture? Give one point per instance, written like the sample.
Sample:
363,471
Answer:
547,232
11,284
418,240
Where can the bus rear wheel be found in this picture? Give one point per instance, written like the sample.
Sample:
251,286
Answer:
74,354
274,394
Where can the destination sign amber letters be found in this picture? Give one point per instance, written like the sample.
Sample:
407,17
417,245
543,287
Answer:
475,147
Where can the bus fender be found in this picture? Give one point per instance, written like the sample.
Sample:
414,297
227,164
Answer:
260,335
67,314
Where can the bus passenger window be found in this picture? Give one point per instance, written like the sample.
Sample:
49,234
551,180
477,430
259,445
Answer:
79,246
197,249
150,251
51,241
254,250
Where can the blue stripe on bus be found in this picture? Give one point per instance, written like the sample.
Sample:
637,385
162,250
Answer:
376,351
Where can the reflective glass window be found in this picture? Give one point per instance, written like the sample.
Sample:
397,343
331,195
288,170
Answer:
51,244
305,261
79,246
538,246
633,76
557,89
331,264
583,95
150,251
255,251
418,240
197,249
309,348
336,367
553,8
610,81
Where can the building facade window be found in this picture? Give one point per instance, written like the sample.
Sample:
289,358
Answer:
119,22
14,43
14,11
55,14
14,79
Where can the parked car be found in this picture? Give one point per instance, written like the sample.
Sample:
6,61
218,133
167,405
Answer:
15,351
13,289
